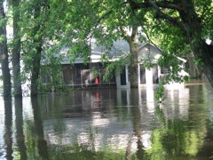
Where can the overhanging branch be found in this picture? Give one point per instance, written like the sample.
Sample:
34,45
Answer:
160,14
163,4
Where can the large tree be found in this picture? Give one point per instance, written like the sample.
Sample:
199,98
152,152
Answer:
33,18
16,49
190,24
42,24
4,54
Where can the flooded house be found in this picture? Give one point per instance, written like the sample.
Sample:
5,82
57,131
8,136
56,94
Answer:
81,74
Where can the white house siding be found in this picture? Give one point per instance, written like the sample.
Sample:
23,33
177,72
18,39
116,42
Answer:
122,77
146,76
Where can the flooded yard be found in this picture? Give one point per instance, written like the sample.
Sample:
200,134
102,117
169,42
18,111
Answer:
109,124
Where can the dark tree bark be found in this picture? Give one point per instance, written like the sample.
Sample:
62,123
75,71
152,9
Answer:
35,72
20,137
8,122
41,142
4,55
16,50
193,28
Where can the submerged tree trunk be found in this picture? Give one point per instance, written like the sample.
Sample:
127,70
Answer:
8,131
4,55
41,142
20,137
16,50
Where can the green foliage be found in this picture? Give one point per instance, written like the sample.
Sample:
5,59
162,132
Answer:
159,95
2,22
110,68
2,39
56,24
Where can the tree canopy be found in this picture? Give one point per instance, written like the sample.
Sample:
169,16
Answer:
178,27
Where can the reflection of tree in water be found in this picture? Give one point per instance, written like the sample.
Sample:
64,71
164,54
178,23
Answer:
41,142
8,127
137,128
179,139
19,129
138,131
202,117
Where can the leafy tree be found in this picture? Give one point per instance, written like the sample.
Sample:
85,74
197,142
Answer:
176,26
32,23
42,25
182,25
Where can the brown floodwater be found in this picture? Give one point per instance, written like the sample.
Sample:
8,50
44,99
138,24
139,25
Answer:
109,124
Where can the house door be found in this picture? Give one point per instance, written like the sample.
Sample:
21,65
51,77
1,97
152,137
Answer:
142,75
155,74
123,77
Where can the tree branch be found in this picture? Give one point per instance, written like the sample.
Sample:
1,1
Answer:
163,4
160,14
124,33
134,33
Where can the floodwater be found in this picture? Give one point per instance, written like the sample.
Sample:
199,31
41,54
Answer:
109,124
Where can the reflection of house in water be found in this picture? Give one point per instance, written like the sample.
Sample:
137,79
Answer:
80,74
176,103
109,115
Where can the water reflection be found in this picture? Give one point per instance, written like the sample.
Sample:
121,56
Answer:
41,142
8,128
137,128
112,124
19,129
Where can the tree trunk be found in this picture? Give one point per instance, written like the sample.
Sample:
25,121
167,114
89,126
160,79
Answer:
4,55
16,50
41,142
204,55
133,42
134,66
192,69
20,137
35,72
8,132
193,27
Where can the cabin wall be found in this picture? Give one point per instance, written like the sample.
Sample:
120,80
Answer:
148,76
122,77
83,75
148,53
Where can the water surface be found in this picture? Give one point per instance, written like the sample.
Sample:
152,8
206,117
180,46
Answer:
109,124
